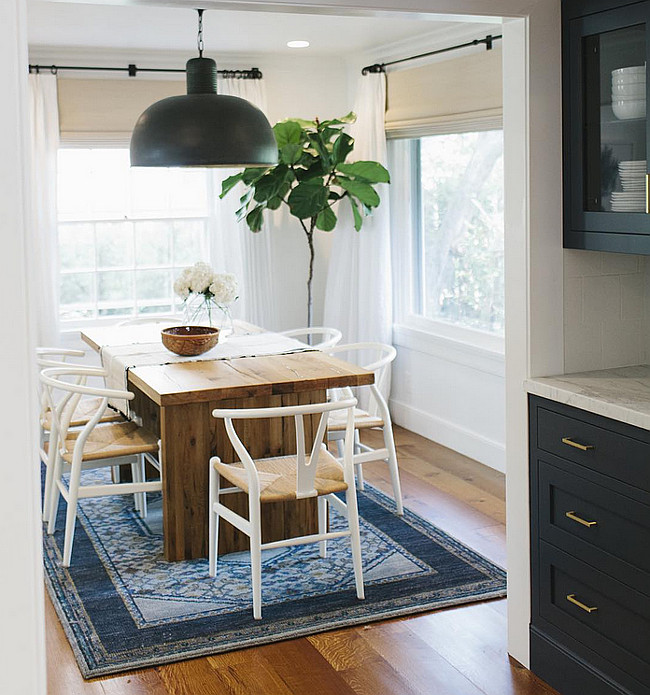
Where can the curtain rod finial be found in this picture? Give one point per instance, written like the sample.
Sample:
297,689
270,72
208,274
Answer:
376,68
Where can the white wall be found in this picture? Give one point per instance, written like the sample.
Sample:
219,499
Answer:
532,109
306,88
22,650
450,392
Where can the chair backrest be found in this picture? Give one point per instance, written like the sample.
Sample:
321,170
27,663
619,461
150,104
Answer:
55,357
306,466
375,357
58,357
144,320
71,381
328,337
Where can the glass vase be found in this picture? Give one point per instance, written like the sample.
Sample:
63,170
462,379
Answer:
226,325
199,311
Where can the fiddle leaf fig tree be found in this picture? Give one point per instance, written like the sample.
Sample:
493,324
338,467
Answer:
312,178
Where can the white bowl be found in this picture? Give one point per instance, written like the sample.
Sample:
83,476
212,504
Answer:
629,90
628,97
628,75
630,84
632,77
632,70
625,110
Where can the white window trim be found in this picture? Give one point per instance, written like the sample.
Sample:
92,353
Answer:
121,141
420,332
475,349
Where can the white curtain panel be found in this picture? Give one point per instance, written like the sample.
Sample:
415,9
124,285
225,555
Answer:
236,249
400,165
358,298
41,237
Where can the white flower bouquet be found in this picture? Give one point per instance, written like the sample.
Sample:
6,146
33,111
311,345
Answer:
203,290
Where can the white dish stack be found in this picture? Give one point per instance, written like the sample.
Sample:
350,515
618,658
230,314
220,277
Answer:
632,198
628,92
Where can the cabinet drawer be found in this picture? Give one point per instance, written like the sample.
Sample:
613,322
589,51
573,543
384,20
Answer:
600,612
601,527
621,457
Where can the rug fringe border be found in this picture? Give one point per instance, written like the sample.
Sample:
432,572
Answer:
89,673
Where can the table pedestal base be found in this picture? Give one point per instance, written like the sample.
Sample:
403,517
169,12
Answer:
189,437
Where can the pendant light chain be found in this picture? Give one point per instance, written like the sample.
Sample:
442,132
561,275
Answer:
199,38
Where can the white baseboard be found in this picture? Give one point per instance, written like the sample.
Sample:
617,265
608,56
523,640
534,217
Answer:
475,446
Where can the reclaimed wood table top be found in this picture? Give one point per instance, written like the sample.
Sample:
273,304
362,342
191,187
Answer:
243,377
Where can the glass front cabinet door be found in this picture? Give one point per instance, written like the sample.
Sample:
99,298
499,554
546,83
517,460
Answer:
606,126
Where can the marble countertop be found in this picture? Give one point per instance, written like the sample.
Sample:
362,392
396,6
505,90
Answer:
621,394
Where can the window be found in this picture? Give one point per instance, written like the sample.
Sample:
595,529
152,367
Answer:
124,233
459,243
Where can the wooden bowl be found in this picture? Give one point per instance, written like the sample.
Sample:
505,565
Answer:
189,340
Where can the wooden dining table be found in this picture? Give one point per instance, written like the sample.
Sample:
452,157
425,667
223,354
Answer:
175,401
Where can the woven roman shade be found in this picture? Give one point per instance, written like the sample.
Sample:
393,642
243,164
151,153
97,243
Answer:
458,95
103,112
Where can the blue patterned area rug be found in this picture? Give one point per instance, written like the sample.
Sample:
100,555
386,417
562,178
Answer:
123,607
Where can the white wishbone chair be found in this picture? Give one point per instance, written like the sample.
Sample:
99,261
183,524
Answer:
93,446
86,407
293,477
383,355
328,337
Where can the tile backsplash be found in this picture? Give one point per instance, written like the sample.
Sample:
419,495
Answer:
606,310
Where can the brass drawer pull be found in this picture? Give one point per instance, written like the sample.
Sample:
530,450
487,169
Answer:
576,445
571,598
574,517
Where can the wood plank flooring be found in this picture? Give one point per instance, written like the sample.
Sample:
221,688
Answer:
454,651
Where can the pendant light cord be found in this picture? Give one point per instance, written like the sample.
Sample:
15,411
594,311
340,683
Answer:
199,37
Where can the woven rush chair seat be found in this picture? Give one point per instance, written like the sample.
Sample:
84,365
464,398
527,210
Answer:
277,476
362,420
113,440
85,409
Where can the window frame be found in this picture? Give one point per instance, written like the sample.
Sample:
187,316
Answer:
409,320
75,324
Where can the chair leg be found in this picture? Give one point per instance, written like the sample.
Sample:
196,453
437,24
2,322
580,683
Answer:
71,514
340,448
393,468
256,557
142,477
214,521
137,499
323,509
49,474
55,494
358,467
355,539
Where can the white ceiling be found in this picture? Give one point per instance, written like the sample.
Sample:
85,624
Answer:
104,27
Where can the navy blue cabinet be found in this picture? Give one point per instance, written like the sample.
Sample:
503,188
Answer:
605,128
590,552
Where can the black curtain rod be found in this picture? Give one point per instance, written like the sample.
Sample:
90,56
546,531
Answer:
133,70
381,67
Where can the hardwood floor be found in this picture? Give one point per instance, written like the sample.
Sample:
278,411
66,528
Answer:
454,651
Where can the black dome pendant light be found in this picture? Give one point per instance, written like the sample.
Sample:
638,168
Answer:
203,128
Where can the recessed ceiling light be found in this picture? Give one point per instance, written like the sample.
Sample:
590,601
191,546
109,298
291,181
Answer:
298,44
